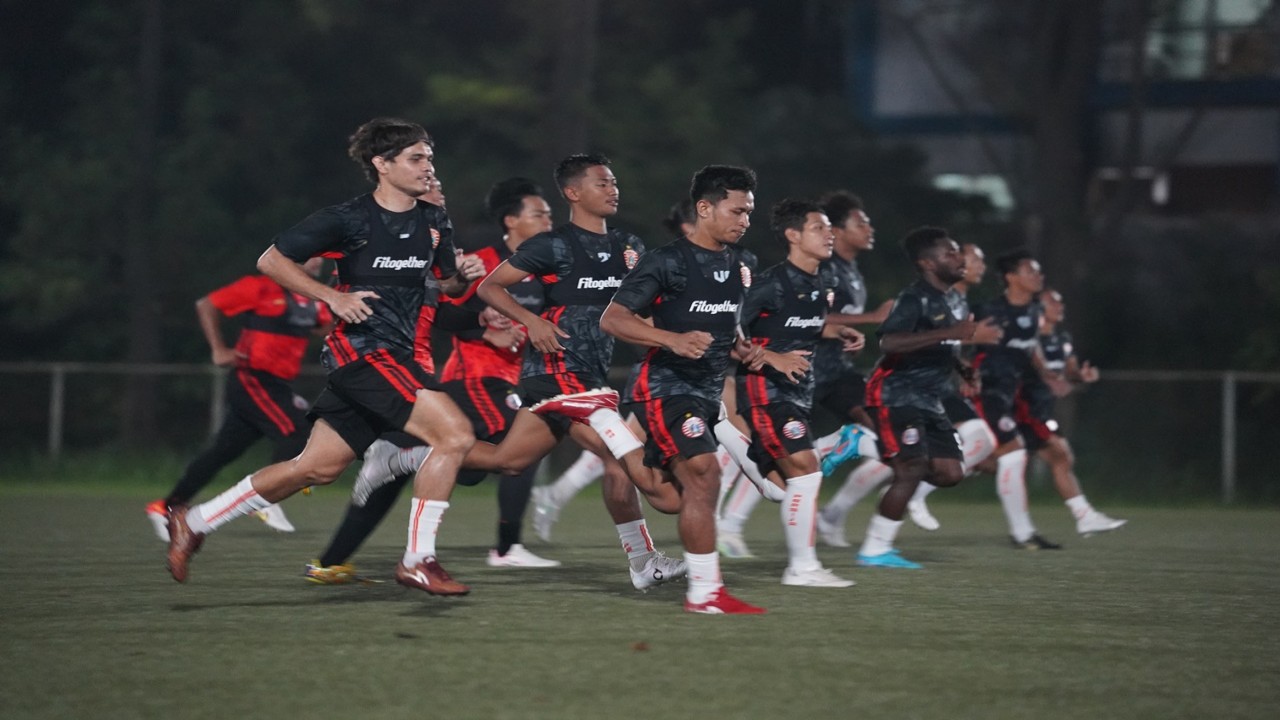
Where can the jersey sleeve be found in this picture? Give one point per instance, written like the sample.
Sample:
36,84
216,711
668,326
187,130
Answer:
324,231
541,255
904,316
445,262
761,298
646,283
241,296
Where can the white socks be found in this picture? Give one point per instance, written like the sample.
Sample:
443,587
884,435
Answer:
881,532
240,500
977,442
799,512
584,471
738,506
866,477
1011,484
424,523
736,443
1079,506
635,540
703,576
613,430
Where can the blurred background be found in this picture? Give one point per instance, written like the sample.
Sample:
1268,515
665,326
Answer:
151,149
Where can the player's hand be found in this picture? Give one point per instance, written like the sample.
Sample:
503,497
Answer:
352,307
692,344
227,357
545,336
1089,373
792,364
508,338
748,353
491,318
470,267
970,380
980,333
852,339
1058,385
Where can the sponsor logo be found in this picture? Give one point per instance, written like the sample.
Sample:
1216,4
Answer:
1022,344
799,322
693,427
794,430
1006,424
702,306
1024,322
513,401
588,283
604,256
720,275
910,436
630,257
746,275
410,263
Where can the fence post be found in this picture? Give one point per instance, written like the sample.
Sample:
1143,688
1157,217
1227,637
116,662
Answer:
217,402
57,399
1228,437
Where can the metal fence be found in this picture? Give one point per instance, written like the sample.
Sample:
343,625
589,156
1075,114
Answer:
1141,434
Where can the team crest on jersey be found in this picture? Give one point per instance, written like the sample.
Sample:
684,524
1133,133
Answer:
1066,349
831,297
435,238
1052,425
1007,424
794,430
720,275
693,427
746,275
910,436
513,401
604,256
1024,322
630,257
958,312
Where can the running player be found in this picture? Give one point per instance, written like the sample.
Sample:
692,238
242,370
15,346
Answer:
693,289
386,243
259,400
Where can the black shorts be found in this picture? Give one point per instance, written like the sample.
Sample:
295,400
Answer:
840,394
489,402
1035,422
959,409
372,395
678,425
267,403
909,432
778,430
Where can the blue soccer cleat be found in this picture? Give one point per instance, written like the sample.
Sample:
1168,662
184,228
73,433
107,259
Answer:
889,559
846,448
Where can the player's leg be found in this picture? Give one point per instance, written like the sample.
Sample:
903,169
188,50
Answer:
799,511
1061,461
738,505
358,523
861,481
233,438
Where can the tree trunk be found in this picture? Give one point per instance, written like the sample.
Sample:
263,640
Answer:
567,124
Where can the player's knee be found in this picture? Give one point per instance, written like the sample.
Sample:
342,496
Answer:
948,475
457,441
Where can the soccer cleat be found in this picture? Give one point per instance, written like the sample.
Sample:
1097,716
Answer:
430,577
375,471
273,516
889,559
1096,522
832,533
545,512
578,406
330,574
519,557
158,514
658,568
817,577
731,545
921,516
183,542
846,448
722,603
1035,542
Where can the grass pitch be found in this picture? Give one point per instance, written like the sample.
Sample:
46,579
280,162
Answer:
1173,616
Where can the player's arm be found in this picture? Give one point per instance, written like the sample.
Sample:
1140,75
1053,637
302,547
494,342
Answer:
875,317
349,307
966,332
624,324
210,318
544,335
470,268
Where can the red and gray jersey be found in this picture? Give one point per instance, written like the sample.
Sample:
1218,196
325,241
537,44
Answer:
277,323
685,288
920,378
392,254
785,310
579,271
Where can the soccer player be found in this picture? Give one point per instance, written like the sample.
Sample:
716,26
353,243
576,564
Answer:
260,402
386,243
785,313
921,342
693,289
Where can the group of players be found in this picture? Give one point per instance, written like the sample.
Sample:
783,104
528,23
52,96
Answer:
534,319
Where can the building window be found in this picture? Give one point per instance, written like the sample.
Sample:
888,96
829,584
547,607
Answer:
1197,40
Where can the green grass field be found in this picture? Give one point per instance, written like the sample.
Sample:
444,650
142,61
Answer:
1174,616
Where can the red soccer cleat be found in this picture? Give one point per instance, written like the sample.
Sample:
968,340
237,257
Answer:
158,514
183,542
579,406
430,577
722,603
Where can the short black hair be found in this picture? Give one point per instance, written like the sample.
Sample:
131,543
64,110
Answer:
506,198
920,241
839,205
713,183
383,137
575,166
679,214
1009,261
790,214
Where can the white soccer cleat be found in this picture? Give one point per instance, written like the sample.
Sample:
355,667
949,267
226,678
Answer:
1096,522
519,557
658,568
732,545
545,512
921,516
273,516
831,533
375,471
816,577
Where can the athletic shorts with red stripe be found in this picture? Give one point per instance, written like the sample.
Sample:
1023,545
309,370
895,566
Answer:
1035,422
778,430
534,389
489,402
267,403
372,395
908,432
678,425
